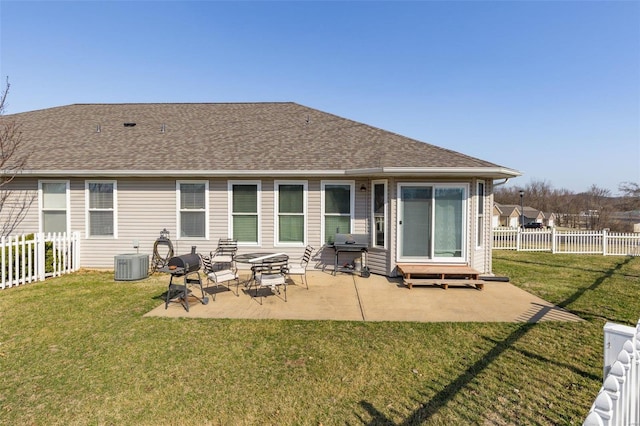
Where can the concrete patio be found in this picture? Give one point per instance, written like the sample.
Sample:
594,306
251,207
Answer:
346,297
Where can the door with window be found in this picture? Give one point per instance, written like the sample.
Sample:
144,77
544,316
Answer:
431,222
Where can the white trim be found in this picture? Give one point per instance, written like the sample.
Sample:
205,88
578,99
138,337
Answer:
205,210
113,209
385,183
276,212
465,232
258,184
68,202
352,204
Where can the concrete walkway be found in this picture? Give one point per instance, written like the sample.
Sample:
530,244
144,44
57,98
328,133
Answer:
347,297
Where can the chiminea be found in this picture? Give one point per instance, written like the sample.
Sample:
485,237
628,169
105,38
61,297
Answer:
184,264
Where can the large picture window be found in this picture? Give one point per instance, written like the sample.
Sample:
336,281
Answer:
193,209
100,201
54,206
337,207
291,205
245,208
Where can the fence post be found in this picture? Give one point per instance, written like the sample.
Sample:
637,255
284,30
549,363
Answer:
76,251
40,254
3,261
553,241
604,242
518,239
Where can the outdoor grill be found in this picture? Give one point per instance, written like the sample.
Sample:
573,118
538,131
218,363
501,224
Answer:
184,264
188,267
350,243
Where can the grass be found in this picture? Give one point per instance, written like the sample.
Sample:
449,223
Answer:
77,350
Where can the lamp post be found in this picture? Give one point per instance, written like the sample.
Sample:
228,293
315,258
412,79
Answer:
522,209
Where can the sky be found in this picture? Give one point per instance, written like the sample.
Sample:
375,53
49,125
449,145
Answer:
548,88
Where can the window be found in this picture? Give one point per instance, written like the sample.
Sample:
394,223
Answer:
193,209
379,213
480,214
245,217
337,206
291,206
54,206
100,197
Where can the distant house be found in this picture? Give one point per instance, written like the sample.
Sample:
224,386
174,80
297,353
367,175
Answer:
506,215
532,215
274,176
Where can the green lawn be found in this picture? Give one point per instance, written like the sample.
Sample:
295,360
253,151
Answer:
77,350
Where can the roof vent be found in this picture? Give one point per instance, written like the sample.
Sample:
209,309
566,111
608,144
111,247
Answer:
129,124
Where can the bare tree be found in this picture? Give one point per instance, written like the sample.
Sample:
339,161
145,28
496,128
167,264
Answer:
630,196
13,206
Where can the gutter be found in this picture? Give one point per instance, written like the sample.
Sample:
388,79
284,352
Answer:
493,172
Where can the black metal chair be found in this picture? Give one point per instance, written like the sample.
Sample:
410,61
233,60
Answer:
224,255
301,267
272,275
220,276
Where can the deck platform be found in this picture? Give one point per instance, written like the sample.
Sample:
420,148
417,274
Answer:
441,275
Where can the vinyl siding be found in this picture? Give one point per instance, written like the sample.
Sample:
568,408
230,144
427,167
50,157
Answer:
146,206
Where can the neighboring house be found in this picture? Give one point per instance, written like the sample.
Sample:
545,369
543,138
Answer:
532,215
275,176
549,219
506,215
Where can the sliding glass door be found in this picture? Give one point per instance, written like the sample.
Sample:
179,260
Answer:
431,222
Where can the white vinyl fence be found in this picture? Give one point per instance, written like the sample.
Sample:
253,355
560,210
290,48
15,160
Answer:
618,402
578,242
34,257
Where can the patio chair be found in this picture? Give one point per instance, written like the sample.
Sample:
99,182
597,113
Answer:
301,267
218,276
224,255
270,275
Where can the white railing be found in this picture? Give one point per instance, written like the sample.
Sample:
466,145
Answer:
618,402
578,242
34,257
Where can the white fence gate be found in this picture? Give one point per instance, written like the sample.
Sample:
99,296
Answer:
34,257
577,242
618,402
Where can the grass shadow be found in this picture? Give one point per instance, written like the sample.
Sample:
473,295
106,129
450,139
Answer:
444,396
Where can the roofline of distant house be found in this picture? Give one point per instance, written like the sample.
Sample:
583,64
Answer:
486,172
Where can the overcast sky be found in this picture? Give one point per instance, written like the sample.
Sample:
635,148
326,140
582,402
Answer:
551,89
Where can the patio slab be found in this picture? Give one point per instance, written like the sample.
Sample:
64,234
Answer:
346,297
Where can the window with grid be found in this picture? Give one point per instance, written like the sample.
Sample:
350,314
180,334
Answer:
54,206
193,208
244,212
101,216
291,209
338,204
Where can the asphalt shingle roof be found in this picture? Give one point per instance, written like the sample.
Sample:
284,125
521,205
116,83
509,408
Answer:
217,137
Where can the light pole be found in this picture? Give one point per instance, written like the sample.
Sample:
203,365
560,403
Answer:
522,209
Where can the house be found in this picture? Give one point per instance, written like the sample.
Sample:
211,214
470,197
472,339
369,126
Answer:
506,215
275,176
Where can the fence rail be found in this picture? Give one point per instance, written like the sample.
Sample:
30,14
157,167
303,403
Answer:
577,242
618,401
34,257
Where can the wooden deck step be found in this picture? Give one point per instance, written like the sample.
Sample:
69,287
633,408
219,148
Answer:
443,275
444,283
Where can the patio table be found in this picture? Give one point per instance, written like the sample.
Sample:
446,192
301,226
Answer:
260,258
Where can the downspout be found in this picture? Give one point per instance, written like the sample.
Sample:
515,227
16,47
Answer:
501,183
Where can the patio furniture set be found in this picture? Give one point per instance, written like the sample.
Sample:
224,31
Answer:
269,271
